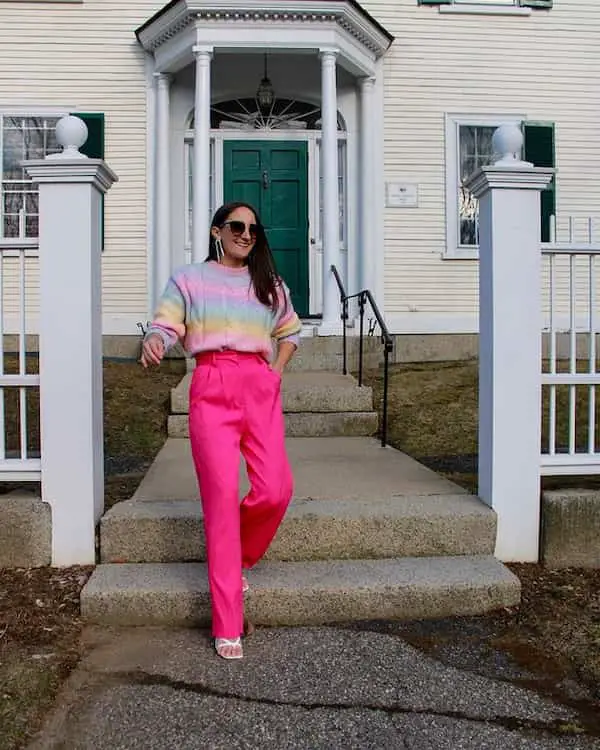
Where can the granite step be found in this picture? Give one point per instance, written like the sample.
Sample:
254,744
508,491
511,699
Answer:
303,593
402,526
304,424
309,392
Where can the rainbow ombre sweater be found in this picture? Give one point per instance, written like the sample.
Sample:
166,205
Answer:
210,307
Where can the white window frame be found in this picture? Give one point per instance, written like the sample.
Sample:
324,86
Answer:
486,2
39,112
454,250
486,7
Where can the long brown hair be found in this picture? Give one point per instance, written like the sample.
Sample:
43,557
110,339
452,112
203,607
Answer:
260,261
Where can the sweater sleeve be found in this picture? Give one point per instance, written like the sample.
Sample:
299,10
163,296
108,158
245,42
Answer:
170,315
287,324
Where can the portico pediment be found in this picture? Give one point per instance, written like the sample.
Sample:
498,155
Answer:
280,24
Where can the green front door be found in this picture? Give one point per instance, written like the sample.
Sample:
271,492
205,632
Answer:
272,176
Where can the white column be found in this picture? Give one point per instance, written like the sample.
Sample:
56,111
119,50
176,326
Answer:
329,155
70,210
201,169
367,247
162,181
510,331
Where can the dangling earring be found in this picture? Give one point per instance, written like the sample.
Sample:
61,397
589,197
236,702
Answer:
219,249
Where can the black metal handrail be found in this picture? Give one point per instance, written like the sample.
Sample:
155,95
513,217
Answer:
363,297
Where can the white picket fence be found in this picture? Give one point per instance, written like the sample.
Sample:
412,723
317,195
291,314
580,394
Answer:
19,461
570,374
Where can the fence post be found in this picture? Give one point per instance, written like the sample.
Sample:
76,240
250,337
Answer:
510,330
70,214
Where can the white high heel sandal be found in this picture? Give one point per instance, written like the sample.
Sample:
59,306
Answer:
221,643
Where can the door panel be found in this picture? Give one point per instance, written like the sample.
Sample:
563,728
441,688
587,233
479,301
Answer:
273,177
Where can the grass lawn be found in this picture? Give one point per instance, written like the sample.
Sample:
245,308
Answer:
433,417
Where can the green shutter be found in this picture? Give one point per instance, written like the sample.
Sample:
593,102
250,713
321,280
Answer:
540,151
536,3
94,147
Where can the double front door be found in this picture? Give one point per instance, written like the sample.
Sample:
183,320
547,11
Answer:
273,177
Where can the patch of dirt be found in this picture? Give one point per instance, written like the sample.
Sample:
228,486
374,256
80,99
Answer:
39,609
433,417
559,617
39,645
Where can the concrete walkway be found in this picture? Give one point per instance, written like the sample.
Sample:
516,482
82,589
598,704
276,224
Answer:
335,688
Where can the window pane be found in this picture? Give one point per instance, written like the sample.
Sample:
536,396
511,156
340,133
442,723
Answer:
10,225
342,190
190,189
190,195
22,138
474,151
31,226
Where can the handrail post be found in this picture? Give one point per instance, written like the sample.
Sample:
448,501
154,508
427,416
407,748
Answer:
361,306
344,342
384,420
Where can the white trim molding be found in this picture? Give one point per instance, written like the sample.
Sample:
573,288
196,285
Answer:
455,251
485,9
227,24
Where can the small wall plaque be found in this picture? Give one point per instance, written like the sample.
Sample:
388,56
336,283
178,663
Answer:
401,195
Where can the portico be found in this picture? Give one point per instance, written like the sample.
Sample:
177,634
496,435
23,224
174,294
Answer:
307,151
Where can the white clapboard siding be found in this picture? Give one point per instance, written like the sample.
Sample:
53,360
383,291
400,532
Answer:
543,66
11,292
85,58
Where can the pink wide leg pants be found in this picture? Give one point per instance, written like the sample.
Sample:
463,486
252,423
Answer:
235,408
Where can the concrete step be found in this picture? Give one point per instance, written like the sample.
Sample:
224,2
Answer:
377,528
304,424
325,353
303,593
302,392
338,468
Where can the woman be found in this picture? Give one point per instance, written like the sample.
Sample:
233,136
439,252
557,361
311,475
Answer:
227,310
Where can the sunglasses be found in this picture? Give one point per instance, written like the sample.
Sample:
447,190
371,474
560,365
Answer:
239,227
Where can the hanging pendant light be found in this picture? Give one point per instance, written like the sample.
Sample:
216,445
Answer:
265,94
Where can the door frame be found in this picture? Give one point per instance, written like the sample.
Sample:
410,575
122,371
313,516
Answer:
300,172
312,139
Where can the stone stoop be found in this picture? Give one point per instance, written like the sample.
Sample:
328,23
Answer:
324,353
315,403
370,534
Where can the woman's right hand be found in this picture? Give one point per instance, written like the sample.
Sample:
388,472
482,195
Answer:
153,350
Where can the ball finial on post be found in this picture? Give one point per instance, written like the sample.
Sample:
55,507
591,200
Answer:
507,141
71,134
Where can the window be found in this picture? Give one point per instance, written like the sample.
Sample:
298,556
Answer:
189,192
469,147
25,137
342,183
22,138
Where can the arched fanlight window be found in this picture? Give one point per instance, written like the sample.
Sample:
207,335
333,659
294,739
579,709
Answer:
284,114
